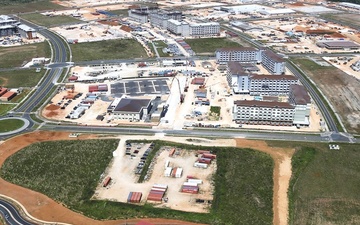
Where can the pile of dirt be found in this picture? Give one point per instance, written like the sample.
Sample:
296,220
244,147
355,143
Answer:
51,114
52,107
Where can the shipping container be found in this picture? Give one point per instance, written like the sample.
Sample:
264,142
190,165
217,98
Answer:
197,181
157,189
204,160
209,156
164,186
106,181
190,177
200,165
203,151
174,172
171,153
102,87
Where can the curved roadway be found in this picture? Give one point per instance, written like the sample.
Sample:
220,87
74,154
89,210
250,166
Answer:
11,215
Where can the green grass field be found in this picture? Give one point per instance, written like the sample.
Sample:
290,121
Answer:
17,55
209,45
120,12
324,188
69,171
48,21
4,108
20,78
159,46
10,125
14,7
110,49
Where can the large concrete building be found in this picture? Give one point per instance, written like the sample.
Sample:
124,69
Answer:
263,113
242,81
7,26
160,18
186,29
27,32
270,60
132,109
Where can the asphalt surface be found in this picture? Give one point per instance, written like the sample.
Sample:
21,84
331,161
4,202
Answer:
11,214
140,87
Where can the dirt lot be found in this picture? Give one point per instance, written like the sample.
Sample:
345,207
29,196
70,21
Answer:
122,169
340,89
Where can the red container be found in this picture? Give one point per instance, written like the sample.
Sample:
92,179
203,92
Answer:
209,156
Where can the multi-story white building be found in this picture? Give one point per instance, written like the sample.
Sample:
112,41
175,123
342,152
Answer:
263,113
140,16
204,29
7,25
270,60
274,63
180,28
242,81
161,18
240,54
300,98
271,85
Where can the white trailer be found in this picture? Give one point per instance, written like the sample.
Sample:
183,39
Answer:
168,171
196,181
200,165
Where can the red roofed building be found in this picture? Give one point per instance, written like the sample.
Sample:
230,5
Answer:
7,96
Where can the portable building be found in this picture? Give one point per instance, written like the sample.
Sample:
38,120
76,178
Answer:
163,186
174,172
129,196
204,160
7,96
196,181
190,184
171,153
93,88
179,172
168,171
3,91
102,87
200,165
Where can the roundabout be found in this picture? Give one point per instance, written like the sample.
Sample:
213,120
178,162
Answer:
13,125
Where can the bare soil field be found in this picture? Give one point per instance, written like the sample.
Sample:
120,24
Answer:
122,171
342,90
282,175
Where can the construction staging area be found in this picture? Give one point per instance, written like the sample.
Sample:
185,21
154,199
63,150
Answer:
177,178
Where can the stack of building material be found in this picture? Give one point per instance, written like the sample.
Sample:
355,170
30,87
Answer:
189,187
134,197
157,192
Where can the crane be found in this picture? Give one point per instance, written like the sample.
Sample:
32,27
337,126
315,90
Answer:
181,95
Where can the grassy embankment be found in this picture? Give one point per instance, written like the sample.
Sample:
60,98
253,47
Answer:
243,181
110,49
50,21
324,185
17,56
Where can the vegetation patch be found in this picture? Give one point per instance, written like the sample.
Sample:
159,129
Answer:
69,171
110,49
20,78
17,56
7,125
5,108
209,45
324,184
23,6
49,21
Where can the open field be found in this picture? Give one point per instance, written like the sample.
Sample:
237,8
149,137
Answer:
120,12
20,78
19,55
243,181
10,125
110,49
4,108
323,188
209,45
344,18
31,6
49,21
341,89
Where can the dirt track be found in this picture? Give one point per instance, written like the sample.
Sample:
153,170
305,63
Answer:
44,208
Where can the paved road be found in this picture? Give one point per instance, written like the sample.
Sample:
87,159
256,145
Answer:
11,214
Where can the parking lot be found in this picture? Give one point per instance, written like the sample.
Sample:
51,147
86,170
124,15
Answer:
140,87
